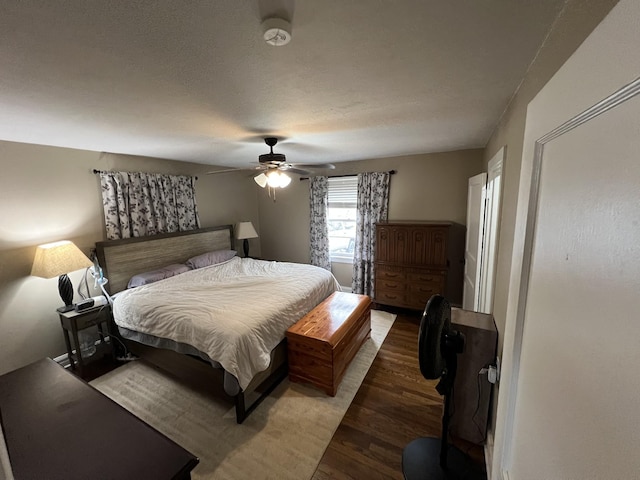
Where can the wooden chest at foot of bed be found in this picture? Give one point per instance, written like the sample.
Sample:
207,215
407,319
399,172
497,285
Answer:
323,343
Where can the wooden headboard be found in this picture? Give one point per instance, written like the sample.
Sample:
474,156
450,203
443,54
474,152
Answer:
122,259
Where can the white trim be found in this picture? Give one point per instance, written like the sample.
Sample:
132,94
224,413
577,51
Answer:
345,289
488,453
6,472
63,360
341,259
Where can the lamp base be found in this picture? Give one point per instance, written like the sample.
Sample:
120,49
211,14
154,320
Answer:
245,247
65,288
65,308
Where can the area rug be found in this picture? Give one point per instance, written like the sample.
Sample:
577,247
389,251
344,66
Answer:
284,438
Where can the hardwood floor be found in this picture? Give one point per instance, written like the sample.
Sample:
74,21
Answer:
394,405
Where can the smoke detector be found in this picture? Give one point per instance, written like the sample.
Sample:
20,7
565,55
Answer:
277,31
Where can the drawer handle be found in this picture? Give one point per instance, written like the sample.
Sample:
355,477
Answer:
390,285
392,275
391,297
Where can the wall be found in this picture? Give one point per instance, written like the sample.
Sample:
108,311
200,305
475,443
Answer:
49,194
425,187
582,289
576,21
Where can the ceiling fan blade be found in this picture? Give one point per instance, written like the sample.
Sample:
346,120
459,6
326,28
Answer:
326,166
224,170
258,168
297,171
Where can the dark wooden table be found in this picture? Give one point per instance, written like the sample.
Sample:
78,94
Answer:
56,426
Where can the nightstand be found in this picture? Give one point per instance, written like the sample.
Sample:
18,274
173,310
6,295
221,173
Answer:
72,322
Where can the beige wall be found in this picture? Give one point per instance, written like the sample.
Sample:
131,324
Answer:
425,187
50,194
576,21
574,24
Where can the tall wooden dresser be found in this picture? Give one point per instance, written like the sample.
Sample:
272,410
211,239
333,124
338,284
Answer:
417,260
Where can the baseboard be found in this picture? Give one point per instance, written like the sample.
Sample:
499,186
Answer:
488,453
345,289
63,360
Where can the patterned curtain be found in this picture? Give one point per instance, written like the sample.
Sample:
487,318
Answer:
318,228
140,204
373,207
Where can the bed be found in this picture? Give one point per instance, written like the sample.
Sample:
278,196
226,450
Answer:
231,315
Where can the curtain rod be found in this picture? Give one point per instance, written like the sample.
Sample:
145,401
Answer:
96,172
390,172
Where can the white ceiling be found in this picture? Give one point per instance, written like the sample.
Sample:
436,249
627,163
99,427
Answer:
193,80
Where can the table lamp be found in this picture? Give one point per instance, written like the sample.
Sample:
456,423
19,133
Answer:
58,259
244,231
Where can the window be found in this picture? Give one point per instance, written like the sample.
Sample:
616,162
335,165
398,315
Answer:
341,218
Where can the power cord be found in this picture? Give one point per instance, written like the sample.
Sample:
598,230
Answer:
128,356
477,410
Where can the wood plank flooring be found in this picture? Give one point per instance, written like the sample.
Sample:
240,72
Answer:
394,405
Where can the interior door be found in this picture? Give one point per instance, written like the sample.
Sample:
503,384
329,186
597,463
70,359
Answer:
491,229
473,248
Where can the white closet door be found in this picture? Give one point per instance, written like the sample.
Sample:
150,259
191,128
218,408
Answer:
491,230
473,247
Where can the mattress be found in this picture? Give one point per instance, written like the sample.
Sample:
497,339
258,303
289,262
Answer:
235,312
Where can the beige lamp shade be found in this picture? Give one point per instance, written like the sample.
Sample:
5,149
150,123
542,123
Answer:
58,258
245,230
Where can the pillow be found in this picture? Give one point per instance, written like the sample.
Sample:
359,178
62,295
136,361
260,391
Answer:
155,275
211,258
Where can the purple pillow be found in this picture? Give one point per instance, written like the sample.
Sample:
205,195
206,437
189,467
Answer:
211,258
154,276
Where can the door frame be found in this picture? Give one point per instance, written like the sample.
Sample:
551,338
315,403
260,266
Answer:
490,237
479,180
521,270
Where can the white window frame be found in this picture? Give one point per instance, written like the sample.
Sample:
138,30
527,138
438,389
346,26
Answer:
343,192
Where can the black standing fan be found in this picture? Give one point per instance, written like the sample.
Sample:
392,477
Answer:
438,348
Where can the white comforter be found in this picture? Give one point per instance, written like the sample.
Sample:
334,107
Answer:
235,312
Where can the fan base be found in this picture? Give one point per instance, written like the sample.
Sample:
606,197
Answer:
421,461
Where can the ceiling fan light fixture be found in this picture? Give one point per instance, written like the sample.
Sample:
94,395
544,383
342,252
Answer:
277,179
276,31
285,180
261,180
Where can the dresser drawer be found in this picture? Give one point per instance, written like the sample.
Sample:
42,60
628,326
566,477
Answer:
389,297
383,274
391,285
435,287
419,299
422,290
426,277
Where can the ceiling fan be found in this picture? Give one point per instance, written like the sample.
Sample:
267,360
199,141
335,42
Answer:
273,165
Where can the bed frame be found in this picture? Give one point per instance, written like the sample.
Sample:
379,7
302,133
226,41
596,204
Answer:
122,259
